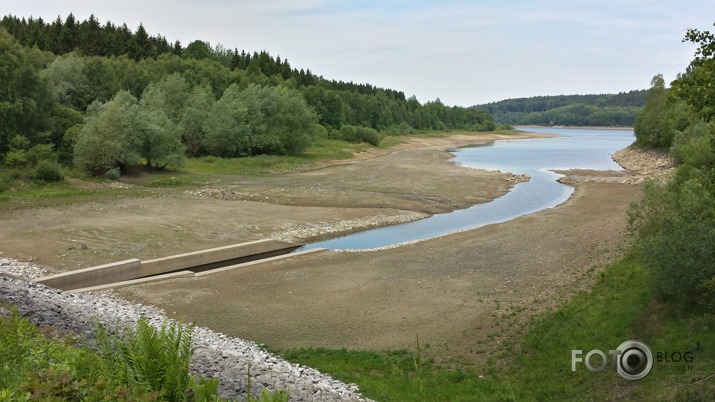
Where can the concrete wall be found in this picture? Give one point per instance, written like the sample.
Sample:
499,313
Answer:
197,260
99,275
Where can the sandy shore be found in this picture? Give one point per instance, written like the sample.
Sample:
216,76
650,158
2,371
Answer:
580,127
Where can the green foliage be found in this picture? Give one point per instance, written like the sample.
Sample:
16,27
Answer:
171,182
48,171
33,367
695,86
676,233
143,364
153,134
357,134
592,110
193,124
675,221
226,132
102,144
270,107
278,119
26,102
619,307
197,50
650,128
582,115
113,174
156,362
399,375
16,158
259,120
152,361
68,82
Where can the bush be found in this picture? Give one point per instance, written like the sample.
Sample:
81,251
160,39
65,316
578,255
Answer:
403,129
356,134
48,171
113,174
676,229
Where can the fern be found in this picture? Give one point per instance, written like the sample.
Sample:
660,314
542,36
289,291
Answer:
155,360
17,338
177,356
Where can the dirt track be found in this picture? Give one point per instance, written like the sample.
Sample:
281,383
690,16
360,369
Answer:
461,293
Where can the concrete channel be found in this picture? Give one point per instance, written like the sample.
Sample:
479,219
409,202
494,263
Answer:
196,263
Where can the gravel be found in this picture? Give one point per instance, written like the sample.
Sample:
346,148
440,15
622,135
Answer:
216,355
299,233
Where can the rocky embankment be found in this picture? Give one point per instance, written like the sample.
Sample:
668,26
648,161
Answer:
638,164
643,163
216,355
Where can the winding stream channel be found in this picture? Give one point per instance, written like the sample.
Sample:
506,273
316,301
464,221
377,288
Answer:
537,157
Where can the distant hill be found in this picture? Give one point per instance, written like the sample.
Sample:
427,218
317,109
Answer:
572,110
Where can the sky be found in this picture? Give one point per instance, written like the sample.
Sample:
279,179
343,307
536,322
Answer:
462,52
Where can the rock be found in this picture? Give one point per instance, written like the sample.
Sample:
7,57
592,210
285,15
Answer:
216,355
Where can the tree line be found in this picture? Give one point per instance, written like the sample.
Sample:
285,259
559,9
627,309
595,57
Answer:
675,221
574,110
64,82
89,37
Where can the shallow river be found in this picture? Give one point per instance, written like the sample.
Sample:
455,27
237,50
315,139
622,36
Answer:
573,149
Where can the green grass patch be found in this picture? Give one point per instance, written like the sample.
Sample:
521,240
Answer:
172,181
401,376
23,192
332,149
250,165
323,149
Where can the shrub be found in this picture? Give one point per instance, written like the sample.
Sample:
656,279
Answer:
676,233
48,171
41,152
113,174
357,134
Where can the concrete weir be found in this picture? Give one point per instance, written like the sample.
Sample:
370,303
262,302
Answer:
202,262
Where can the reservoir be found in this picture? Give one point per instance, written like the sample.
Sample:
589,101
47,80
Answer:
537,157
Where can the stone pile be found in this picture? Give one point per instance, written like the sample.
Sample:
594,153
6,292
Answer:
216,355
643,163
302,233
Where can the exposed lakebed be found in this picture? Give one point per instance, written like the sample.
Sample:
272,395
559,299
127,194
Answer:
537,158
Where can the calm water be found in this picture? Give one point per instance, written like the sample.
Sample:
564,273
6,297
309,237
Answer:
573,149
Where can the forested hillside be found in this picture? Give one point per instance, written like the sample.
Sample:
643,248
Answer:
569,110
101,97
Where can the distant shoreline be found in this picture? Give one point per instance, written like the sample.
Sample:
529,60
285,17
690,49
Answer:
583,127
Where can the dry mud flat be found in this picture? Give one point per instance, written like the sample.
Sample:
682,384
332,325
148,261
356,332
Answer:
454,291
388,186
461,293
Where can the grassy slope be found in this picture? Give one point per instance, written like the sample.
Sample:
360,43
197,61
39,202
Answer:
620,307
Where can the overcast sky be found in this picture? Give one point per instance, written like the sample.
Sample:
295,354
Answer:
463,52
